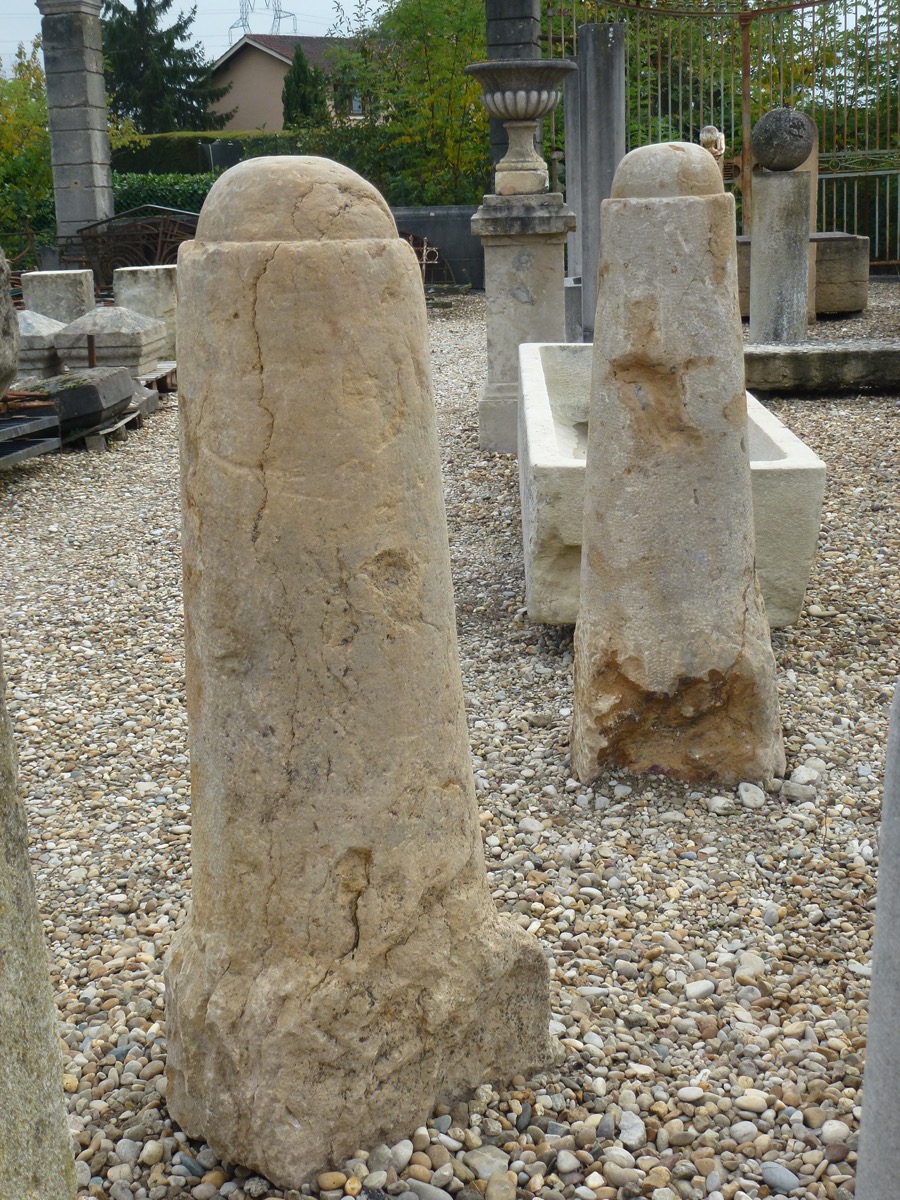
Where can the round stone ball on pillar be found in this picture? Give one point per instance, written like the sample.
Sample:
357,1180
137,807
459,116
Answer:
343,968
674,670
779,253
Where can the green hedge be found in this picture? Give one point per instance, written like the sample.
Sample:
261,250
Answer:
186,192
187,154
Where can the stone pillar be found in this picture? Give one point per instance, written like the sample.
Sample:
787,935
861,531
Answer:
601,74
76,113
513,31
61,295
149,291
782,140
36,1158
524,273
343,967
876,1176
674,669
572,117
779,257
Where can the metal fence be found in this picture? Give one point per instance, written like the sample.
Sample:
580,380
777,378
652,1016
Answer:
691,63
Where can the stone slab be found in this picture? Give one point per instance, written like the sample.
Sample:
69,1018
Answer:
787,479
822,366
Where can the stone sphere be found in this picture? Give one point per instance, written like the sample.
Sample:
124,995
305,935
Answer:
293,198
782,139
666,170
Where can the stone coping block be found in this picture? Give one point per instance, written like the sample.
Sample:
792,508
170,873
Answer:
63,295
788,482
842,272
822,366
151,292
123,339
37,332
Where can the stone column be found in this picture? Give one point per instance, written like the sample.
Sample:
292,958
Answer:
782,140
674,669
601,75
342,968
149,291
876,1176
61,295
76,113
524,273
36,1158
779,257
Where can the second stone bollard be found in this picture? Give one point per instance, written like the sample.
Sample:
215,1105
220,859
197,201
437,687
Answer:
343,967
674,669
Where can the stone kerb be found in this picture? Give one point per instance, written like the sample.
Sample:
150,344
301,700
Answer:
342,968
787,479
62,295
674,670
150,291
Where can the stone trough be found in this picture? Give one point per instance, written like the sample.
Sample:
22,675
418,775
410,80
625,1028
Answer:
555,386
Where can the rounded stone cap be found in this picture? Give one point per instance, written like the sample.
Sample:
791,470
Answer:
665,170
783,139
293,198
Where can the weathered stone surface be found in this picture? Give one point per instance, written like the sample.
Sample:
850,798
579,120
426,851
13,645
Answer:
524,271
782,139
779,267
122,338
9,330
37,347
149,291
36,1160
62,295
842,272
877,1171
674,669
343,966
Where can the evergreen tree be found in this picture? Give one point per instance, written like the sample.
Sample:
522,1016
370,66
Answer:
152,77
303,95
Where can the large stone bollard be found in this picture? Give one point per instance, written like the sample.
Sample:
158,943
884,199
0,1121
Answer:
876,1177
9,330
36,1159
674,669
343,967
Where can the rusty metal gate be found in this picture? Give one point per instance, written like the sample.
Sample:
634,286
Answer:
691,63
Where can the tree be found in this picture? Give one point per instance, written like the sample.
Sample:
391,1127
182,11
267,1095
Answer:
422,135
303,97
152,78
26,182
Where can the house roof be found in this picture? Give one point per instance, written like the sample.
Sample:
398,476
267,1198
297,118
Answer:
281,46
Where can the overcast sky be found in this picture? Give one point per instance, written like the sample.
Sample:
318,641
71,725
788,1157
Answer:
20,21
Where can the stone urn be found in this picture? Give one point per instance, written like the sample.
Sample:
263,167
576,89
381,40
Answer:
520,92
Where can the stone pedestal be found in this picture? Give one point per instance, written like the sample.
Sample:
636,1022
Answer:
876,1177
779,267
342,968
36,1157
524,277
674,669
76,113
61,295
149,291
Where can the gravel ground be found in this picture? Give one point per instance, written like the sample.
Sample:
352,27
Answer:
709,951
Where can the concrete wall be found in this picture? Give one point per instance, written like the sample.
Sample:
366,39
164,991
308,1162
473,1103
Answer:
449,228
